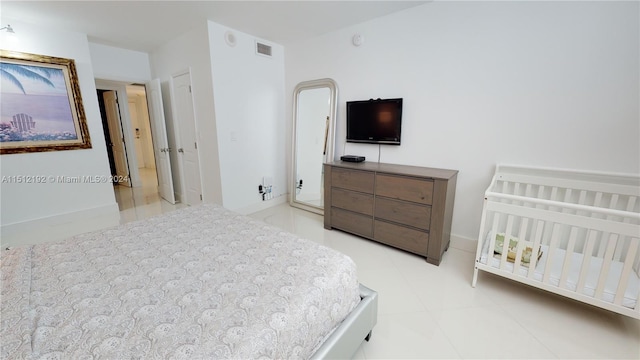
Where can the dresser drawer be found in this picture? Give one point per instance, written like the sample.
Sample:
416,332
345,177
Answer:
351,200
352,222
404,188
353,180
401,237
403,212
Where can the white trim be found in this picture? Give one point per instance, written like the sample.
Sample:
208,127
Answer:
57,227
282,199
463,243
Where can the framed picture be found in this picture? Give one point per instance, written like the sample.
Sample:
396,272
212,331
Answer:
40,104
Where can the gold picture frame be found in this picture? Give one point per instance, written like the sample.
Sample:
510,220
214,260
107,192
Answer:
41,106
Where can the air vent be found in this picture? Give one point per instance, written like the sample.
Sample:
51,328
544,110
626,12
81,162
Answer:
263,49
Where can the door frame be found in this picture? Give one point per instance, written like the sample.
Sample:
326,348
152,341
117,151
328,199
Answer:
125,119
116,135
178,138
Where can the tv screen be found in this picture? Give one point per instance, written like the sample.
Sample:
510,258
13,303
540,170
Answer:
374,121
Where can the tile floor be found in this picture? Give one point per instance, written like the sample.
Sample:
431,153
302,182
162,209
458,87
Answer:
142,202
432,312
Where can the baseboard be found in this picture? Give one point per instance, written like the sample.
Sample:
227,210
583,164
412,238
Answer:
60,226
463,243
262,205
177,197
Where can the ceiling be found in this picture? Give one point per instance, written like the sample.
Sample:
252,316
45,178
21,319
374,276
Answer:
145,25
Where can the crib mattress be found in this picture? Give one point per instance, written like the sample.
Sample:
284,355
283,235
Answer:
631,294
201,282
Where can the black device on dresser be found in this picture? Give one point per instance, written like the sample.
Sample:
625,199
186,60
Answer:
352,158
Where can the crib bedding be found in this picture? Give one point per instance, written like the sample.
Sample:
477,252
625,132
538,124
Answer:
200,282
631,294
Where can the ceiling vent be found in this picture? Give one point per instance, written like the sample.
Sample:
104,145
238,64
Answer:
263,49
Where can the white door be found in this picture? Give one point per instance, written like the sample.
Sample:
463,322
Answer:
160,143
188,147
117,139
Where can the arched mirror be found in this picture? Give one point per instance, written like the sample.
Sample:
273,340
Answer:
314,118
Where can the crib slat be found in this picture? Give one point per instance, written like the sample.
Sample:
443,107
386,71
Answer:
492,239
527,192
566,268
604,236
614,201
505,244
597,200
567,198
582,199
626,273
505,187
539,196
555,234
606,265
536,247
554,195
521,243
586,261
631,203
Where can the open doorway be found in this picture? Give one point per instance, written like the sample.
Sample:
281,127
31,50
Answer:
105,128
143,139
129,140
114,136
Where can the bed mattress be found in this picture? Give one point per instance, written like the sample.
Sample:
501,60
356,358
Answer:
595,266
200,282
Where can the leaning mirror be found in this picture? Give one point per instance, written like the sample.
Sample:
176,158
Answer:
314,117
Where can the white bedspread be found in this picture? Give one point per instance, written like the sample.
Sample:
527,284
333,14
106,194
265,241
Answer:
201,282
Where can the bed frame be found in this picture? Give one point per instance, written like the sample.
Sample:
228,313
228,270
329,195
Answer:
573,233
356,327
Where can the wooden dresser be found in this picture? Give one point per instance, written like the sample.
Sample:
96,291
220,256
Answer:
407,207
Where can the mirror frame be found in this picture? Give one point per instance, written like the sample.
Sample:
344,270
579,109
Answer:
333,110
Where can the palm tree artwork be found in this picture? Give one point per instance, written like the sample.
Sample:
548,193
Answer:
10,71
34,104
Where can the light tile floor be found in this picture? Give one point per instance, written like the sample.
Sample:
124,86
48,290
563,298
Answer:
432,312
142,202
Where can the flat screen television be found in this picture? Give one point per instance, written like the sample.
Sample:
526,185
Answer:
374,121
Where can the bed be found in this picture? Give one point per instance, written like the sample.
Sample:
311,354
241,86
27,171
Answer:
200,282
573,233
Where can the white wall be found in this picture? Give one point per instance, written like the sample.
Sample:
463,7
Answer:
118,64
115,68
25,206
190,51
250,117
536,83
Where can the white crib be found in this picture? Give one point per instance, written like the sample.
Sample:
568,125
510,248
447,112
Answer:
573,233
